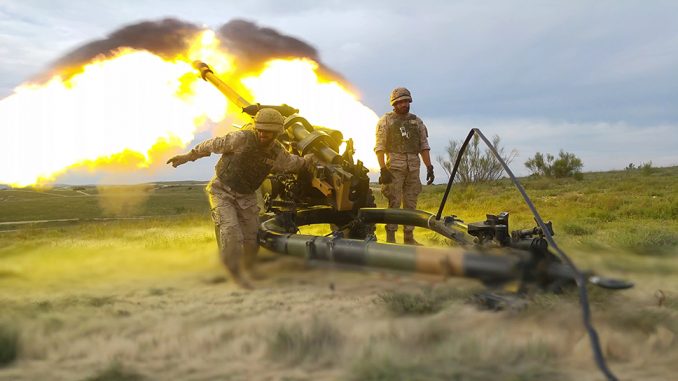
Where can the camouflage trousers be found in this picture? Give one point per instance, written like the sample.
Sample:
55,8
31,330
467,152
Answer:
404,191
236,220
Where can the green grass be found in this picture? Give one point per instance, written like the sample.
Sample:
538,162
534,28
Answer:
623,210
404,303
627,210
116,372
423,302
27,204
152,292
134,249
465,358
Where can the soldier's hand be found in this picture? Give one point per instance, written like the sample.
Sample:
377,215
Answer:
177,160
385,177
310,161
429,175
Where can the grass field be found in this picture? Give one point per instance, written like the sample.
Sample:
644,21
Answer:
124,284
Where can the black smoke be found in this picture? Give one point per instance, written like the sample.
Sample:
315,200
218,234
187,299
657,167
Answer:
251,45
165,38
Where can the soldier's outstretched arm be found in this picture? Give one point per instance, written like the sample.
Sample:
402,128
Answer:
220,144
192,155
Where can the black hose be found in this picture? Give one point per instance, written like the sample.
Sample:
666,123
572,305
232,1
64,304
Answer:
578,276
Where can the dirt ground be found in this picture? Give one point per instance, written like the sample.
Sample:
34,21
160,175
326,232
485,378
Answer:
323,323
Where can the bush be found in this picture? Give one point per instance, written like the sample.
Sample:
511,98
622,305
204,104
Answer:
476,165
402,303
646,168
116,372
566,165
9,344
295,343
427,301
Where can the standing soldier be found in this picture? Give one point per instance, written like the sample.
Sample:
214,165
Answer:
247,159
402,137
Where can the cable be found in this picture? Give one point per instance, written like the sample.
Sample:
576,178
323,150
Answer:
578,276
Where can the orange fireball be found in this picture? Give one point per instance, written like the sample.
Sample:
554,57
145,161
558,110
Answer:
133,108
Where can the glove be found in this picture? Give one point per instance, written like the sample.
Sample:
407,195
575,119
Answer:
310,161
176,161
386,177
429,175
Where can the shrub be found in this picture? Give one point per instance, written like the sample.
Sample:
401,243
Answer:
294,343
9,344
402,303
646,168
476,165
566,165
115,372
427,301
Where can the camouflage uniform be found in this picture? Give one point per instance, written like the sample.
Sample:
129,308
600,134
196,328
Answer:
402,159
240,171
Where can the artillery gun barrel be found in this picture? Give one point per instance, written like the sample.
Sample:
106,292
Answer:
208,75
308,139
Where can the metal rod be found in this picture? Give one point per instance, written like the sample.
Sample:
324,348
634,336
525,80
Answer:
454,173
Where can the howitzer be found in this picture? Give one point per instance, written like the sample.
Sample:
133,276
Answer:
337,192
337,181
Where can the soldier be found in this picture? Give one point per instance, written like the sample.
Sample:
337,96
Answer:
247,159
402,137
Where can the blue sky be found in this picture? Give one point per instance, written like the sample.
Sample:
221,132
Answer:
598,79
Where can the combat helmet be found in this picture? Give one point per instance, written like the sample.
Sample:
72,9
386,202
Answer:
268,119
400,93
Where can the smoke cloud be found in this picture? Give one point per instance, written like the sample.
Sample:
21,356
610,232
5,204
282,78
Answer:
123,201
165,38
252,45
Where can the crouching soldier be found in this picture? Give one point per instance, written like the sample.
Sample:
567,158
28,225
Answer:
247,159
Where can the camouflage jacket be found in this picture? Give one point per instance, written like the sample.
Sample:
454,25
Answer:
400,160
279,160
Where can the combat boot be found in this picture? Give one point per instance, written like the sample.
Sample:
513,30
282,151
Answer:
250,265
390,236
242,282
409,239
231,259
250,261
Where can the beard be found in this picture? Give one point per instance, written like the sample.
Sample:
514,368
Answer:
402,110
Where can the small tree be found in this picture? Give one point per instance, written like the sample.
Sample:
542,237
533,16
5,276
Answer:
566,165
476,165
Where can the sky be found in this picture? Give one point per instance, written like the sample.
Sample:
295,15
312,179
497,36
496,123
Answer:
597,79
